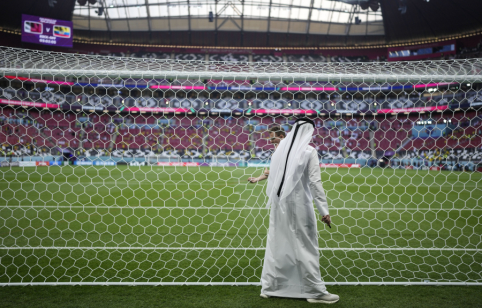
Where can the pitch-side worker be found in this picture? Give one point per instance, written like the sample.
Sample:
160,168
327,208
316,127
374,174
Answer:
292,260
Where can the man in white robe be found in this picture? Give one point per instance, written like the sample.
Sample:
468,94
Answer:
291,265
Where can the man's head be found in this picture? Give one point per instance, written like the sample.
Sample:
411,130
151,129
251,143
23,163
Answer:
276,134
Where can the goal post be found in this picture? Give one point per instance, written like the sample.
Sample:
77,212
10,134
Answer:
134,171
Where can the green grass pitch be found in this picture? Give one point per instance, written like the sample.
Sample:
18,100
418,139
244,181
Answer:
207,224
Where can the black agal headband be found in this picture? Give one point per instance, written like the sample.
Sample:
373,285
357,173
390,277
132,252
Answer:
306,121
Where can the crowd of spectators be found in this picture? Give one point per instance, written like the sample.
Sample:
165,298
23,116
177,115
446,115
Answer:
462,52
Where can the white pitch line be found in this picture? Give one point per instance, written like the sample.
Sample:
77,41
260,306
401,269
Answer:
244,249
219,208
147,182
131,207
257,283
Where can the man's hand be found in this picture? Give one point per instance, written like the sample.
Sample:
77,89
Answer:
327,220
263,176
253,180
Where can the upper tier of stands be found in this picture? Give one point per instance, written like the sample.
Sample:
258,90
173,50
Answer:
284,56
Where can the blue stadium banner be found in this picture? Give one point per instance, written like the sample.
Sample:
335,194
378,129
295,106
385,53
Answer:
104,163
83,163
430,130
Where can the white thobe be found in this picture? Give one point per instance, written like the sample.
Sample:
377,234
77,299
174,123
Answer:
292,260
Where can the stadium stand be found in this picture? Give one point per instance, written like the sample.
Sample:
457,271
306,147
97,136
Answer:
190,56
230,57
27,131
267,58
343,133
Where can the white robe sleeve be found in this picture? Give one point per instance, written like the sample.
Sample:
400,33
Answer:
316,187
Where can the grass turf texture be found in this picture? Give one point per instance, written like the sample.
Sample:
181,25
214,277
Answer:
202,224
229,296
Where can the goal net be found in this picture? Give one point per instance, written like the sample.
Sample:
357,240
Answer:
135,170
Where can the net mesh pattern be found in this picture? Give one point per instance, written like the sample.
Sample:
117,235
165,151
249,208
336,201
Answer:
124,170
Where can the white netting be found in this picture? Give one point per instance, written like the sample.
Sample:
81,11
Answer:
125,170
38,62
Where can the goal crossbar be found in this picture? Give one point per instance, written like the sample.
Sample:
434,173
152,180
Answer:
27,62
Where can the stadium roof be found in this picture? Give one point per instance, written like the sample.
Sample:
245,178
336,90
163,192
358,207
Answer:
256,23
285,16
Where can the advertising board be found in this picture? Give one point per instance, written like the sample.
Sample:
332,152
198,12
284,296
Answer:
340,165
27,163
104,163
161,163
83,163
258,164
137,163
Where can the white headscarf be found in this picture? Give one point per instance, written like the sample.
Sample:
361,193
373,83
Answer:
289,161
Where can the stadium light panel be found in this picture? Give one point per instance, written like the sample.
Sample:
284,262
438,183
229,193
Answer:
374,5
325,12
100,11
